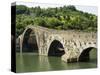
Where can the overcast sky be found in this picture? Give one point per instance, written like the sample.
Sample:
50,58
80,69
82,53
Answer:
89,9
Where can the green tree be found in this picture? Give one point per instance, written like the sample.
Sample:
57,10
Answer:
40,21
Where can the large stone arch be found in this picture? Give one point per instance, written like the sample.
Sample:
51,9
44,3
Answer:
30,41
84,55
56,48
22,37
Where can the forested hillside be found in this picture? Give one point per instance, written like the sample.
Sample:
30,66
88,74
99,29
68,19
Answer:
60,18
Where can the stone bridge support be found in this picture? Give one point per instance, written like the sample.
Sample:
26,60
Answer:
75,53
71,44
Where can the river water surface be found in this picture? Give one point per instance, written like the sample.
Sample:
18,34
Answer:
31,62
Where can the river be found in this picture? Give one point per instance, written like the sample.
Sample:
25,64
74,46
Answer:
31,62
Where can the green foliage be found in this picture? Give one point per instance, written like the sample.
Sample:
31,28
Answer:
71,7
54,22
66,17
40,21
21,9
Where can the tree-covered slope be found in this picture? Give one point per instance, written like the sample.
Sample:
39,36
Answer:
61,18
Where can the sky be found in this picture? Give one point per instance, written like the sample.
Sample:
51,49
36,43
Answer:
89,9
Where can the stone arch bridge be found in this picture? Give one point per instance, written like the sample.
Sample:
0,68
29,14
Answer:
70,45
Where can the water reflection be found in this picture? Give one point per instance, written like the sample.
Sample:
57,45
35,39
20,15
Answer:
30,62
44,63
21,62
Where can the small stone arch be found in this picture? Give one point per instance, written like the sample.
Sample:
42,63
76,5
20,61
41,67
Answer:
56,48
85,54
